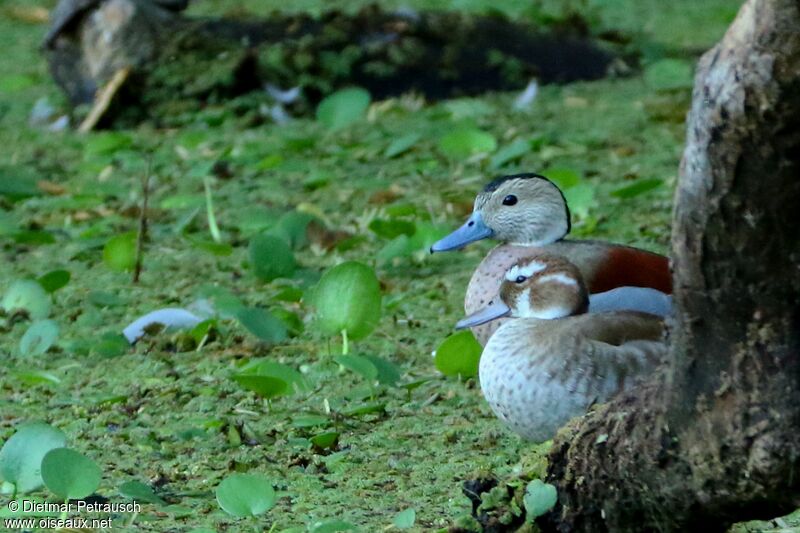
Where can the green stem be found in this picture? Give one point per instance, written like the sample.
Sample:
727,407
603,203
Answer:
344,342
212,220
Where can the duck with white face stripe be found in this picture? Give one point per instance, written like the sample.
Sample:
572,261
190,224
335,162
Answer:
553,360
528,214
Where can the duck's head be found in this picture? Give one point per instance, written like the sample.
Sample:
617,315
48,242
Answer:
543,286
524,209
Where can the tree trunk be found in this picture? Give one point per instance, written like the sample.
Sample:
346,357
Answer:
715,439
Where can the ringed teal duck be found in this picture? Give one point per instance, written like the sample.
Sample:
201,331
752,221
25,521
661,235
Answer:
552,360
529,214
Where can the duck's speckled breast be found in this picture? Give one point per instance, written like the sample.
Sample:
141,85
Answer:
518,381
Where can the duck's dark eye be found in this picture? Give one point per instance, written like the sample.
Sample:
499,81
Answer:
510,200
520,279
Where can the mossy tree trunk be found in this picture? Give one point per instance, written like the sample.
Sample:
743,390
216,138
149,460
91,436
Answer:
716,438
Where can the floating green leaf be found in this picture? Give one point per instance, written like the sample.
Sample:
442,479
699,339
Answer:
244,495
405,519
348,297
332,526
265,386
509,153
21,455
326,440
54,280
401,144
140,492
271,257
69,474
360,365
262,324
39,337
343,108
637,188
388,372
27,295
264,367
292,227
459,355
539,498
307,421
465,142
119,253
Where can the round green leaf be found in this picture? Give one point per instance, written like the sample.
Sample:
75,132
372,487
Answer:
325,440
54,280
262,324
343,107
21,456
405,519
271,257
332,526
245,495
265,386
465,142
459,355
539,498
348,297
119,253
39,337
360,365
140,492
263,367
28,295
69,474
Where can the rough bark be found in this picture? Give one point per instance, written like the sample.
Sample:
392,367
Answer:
715,439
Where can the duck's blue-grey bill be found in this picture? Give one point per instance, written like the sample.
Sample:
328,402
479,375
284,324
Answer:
494,310
473,230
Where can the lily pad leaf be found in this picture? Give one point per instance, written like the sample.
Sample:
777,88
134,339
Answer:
401,145
244,495
265,386
140,492
21,455
262,324
509,153
343,108
39,337
348,297
54,280
271,257
405,519
119,253
360,365
459,355
27,295
69,474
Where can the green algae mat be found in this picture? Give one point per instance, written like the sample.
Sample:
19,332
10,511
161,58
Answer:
303,394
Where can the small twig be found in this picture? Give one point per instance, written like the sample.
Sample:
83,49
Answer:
103,99
140,238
